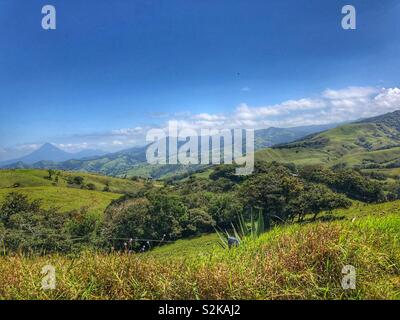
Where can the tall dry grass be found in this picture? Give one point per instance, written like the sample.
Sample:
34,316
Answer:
295,262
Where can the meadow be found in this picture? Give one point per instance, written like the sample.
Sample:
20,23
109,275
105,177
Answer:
67,199
59,193
39,178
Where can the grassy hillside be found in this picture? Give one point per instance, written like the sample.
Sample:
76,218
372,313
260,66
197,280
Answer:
289,262
206,243
185,248
38,178
370,143
393,173
63,195
66,199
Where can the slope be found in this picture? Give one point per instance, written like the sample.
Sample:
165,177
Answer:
370,143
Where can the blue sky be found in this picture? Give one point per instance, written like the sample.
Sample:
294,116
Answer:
112,69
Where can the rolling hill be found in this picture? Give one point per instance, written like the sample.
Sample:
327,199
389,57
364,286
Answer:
265,138
95,191
67,199
369,143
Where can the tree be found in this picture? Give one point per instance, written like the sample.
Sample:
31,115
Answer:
91,186
78,180
50,173
225,208
351,182
355,185
316,198
169,212
27,227
227,171
127,219
16,203
273,192
198,221
107,187
154,215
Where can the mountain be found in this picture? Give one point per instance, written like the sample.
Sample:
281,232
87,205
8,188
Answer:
45,152
49,152
368,143
132,162
268,137
114,164
88,153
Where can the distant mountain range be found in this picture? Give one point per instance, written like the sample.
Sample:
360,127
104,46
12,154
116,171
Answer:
132,162
367,144
265,138
49,152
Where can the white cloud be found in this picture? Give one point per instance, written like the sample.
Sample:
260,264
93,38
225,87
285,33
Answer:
127,131
208,117
330,106
349,92
73,147
388,98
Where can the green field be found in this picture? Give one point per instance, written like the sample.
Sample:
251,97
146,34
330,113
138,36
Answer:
186,248
36,185
38,178
66,199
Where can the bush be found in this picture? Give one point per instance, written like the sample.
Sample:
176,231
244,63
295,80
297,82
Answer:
128,219
351,182
316,198
26,227
225,208
91,186
78,180
199,221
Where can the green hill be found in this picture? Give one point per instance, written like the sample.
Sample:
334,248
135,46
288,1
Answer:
10,178
66,199
370,143
61,191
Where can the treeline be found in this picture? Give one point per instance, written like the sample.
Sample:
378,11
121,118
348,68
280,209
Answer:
188,207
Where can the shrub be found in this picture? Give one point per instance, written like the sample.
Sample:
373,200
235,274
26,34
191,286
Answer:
198,221
91,186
